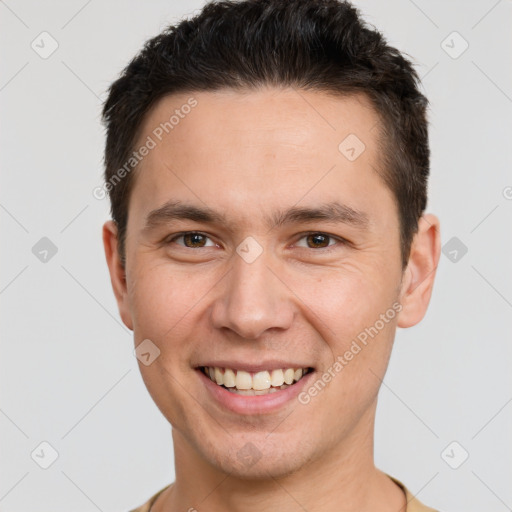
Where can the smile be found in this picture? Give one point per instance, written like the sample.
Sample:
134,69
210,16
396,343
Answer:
254,383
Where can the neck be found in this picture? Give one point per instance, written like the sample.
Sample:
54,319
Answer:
343,474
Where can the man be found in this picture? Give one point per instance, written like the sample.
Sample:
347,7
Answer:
267,165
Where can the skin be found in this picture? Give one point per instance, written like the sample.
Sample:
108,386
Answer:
246,154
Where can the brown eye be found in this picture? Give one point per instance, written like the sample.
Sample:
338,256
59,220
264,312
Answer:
191,240
318,241
194,240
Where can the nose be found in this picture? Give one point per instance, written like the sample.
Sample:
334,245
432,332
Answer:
253,299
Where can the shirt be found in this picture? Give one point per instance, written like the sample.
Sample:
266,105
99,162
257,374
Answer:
413,505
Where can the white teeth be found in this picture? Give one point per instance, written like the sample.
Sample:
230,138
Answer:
261,380
258,383
254,392
288,375
229,378
277,378
243,380
218,376
246,392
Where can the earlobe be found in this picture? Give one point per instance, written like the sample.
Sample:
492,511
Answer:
117,271
418,279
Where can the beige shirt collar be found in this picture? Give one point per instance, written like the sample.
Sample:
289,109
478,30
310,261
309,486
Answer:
413,505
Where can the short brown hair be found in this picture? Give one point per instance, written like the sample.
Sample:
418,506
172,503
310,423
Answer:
319,45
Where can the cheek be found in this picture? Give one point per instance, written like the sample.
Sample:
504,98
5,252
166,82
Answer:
161,304
343,303
347,312
163,311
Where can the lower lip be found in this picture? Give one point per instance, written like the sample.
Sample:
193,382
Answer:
257,404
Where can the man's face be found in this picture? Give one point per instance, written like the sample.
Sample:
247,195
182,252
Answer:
250,293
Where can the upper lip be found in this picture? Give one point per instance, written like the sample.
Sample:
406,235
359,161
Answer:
253,367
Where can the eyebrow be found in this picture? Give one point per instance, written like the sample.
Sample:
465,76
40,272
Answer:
333,212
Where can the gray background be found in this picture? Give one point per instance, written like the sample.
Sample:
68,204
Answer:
68,374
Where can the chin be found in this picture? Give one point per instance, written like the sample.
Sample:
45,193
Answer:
258,457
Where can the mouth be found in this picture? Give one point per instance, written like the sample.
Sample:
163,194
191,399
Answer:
265,382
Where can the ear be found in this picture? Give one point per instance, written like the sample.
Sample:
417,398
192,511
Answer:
418,277
117,271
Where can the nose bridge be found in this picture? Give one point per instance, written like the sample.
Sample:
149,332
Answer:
253,298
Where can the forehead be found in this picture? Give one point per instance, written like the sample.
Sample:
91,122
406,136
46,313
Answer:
261,117
233,148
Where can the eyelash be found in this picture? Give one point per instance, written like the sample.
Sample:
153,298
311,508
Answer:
341,241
